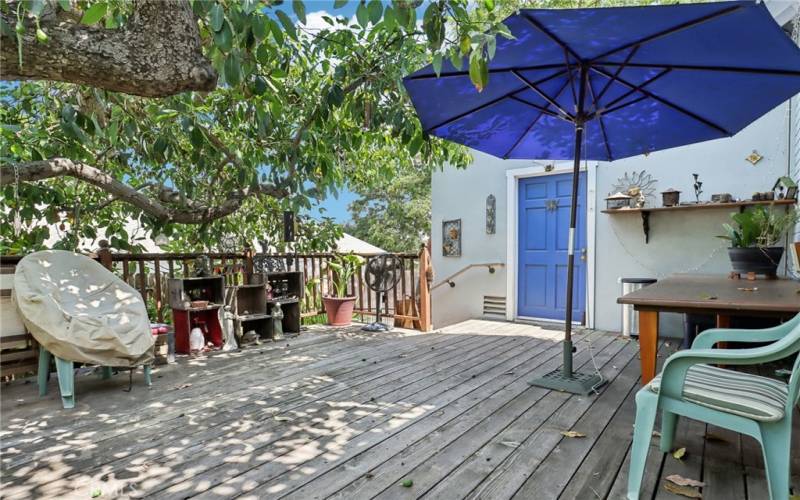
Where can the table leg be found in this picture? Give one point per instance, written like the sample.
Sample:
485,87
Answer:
648,341
723,321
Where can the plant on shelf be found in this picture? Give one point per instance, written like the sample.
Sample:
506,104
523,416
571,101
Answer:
756,239
339,306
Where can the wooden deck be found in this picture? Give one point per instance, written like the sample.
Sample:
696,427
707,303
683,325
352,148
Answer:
348,415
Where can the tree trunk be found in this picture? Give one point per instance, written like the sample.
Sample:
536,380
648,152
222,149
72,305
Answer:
156,53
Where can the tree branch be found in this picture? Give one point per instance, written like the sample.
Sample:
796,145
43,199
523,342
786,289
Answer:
156,54
191,212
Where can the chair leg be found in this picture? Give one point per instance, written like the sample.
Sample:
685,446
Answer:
669,422
105,372
147,378
775,442
66,382
646,409
43,373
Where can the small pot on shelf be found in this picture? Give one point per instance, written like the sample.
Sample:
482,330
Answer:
670,197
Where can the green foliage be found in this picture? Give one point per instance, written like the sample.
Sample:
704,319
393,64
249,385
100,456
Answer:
307,110
343,266
759,226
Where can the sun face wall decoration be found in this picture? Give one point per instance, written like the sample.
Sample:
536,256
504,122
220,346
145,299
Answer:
640,186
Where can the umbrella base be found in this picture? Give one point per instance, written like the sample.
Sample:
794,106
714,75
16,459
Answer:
577,383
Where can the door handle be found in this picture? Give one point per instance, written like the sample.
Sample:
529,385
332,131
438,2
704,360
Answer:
583,253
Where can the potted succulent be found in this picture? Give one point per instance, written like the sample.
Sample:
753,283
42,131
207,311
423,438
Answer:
339,306
756,237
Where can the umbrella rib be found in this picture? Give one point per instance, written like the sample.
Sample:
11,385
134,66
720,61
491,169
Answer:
674,29
491,72
667,103
535,120
624,105
536,24
637,88
569,72
618,71
535,106
543,95
490,103
600,121
729,69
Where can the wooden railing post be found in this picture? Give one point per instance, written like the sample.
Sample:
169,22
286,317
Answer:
425,277
104,254
248,263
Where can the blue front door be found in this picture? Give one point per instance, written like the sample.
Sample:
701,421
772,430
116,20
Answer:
544,205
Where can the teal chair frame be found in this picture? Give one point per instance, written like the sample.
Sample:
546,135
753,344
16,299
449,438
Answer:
774,437
66,376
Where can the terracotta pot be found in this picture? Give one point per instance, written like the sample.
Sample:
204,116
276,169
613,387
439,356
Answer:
339,310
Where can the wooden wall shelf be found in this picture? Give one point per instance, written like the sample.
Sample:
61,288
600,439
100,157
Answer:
738,205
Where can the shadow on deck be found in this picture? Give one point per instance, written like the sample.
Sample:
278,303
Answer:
340,413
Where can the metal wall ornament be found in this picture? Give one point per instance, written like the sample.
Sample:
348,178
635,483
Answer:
491,214
640,186
754,157
451,238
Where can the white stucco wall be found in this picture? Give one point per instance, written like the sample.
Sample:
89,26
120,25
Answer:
679,241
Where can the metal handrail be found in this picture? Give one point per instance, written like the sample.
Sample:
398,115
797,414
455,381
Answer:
449,279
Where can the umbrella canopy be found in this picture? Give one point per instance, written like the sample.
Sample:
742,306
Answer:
656,77
609,83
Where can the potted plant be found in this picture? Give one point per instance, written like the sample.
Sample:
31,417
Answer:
339,306
755,237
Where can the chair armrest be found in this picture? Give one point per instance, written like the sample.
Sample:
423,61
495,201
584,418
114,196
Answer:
708,338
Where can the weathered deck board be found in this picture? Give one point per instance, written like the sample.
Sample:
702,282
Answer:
347,415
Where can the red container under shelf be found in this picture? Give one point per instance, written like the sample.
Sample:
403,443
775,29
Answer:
207,319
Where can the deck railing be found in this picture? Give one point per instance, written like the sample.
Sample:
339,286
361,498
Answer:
408,303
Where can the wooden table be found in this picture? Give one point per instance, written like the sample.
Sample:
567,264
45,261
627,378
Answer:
706,294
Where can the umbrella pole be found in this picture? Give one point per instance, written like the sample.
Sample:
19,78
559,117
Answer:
566,379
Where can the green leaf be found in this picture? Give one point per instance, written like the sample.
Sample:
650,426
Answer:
259,27
465,45
94,13
224,37
362,14
489,4
455,59
389,19
197,137
375,9
338,4
41,36
233,70
415,145
299,10
288,25
217,17
277,32
437,63
65,5
335,95
478,73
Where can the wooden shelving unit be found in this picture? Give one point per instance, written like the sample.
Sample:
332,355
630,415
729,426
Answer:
737,205
287,289
250,310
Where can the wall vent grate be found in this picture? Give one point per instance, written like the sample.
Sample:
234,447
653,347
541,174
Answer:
494,307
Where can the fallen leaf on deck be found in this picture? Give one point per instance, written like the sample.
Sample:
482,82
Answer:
282,419
182,386
656,434
573,434
748,289
96,493
510,444
686,491
684,481
795,497
679,453
708,297
408,483
710,436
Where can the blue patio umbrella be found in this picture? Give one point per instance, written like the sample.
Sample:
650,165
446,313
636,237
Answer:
609,83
